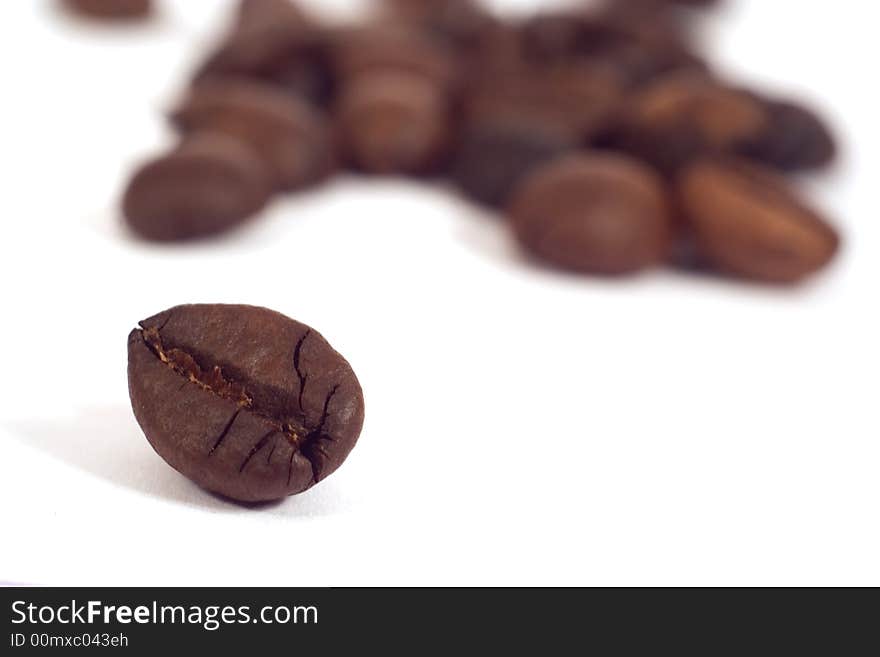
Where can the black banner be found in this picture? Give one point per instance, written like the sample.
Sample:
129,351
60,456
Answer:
138,621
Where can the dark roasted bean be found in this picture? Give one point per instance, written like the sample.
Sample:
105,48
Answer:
242,400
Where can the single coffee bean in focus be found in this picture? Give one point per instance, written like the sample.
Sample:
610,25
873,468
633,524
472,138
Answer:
242,400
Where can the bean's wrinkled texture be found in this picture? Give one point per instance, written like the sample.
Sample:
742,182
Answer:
242,400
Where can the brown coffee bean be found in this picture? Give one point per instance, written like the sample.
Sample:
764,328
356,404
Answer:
640,50
599,213
393,122
683,117
111,9
794,138
262,13
579,98
654,7
278,46
292,138
242,400
461,23
748,222
496,153
393,47
208,185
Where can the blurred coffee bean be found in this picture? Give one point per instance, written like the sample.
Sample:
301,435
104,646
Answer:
209,184
795,138
496,153
657,6
749,223
393,122
110,9
641,50
275,42
574,97
598,213
293,139
460,23
261,13
393,47
685,116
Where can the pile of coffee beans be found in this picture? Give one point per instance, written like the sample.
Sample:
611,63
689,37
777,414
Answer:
600,133
244,401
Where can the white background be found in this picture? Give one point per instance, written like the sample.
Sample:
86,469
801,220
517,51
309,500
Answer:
523,427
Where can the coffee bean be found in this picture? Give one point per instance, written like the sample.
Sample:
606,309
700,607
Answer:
282,48
393,48
393,122
496,153
242,400
292,138
255,14
599,213
208,185
683,117
573,97
794,138
111,9
749,223
640,50
461,23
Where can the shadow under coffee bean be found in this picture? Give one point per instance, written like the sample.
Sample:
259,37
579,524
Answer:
242,400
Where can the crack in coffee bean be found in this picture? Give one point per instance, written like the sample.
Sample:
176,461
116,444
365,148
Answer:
253,380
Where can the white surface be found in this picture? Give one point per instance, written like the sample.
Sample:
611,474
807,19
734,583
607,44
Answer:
523,427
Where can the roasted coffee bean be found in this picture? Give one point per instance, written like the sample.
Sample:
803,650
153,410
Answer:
262,13
393,47
655,6
208,185
749,223
461,23
497,153
795,138
292,138
640,50
598,213
278,46
683,117
111,9
393,122
242,400
575,97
